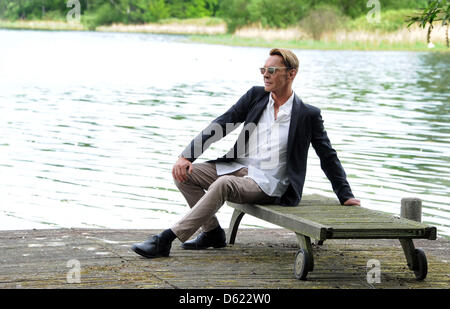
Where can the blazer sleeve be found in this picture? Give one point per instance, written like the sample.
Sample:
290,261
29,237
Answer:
329,161
221,126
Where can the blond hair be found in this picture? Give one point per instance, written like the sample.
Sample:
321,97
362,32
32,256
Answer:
289,58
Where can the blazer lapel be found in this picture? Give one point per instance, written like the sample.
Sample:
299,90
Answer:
295,116
255,113
252,117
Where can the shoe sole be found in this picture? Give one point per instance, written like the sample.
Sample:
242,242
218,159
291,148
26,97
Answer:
149,256
203,248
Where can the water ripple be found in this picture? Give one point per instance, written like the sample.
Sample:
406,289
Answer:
95,147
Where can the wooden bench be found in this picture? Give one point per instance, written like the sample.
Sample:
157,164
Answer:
321,218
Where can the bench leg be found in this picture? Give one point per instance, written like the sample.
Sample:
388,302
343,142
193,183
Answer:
305,244
408,249
234,225
416,258
318,242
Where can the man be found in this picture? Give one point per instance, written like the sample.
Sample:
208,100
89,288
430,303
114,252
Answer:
267,165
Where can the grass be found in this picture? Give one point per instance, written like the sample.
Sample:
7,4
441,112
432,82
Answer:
207,25
390,20
40,25
233,40
203,21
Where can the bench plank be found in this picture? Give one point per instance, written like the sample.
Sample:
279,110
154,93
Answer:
291,222
325,219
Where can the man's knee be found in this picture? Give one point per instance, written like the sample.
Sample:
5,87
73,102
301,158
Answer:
177,183
186,180
223,183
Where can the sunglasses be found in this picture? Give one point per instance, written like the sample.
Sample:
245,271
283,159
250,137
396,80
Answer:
272,70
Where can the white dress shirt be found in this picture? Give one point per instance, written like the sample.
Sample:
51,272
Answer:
267,150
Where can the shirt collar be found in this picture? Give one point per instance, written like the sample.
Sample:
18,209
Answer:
287,106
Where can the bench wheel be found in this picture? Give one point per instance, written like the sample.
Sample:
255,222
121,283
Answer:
301,264
422,265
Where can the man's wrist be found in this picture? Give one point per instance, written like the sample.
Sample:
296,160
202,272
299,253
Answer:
182,157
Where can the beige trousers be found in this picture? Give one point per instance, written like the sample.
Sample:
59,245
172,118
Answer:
206,192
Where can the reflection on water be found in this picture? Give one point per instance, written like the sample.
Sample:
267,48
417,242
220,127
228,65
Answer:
91,124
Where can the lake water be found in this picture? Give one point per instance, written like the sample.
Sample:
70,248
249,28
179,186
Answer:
91,124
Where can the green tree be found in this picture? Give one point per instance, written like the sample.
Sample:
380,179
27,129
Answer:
402,4
157,10
212,6
322,19
445,17
190,8
278,14
235,13
356,8
29,9
433,12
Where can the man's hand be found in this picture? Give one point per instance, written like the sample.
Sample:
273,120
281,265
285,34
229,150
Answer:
352,202
181,168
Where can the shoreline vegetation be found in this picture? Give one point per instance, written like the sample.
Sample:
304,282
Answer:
408,25
214,31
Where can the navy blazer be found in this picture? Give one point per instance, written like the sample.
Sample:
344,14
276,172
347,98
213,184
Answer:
306,127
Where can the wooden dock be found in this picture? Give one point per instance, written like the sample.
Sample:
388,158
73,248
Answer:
261,258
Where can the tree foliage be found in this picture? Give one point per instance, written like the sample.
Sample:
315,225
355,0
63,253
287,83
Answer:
322,19
237,13
435,10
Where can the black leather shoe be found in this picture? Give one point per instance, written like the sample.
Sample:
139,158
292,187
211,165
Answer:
205,240
152,248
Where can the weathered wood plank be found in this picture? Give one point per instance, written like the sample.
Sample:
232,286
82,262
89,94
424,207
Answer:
376,233
325,218
262,259
288,221
318,200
